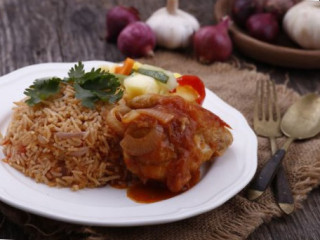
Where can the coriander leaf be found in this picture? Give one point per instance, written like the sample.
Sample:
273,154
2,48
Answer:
87,97
108,97
99,80
89,87
76,72
41,89
98,85
116,96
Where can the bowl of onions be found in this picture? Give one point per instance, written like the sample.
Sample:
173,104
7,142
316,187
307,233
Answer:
259,35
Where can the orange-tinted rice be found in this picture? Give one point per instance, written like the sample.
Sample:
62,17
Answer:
62,143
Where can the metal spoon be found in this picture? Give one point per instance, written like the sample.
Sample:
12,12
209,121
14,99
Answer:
301,121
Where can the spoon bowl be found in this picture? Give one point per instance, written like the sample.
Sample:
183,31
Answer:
302,119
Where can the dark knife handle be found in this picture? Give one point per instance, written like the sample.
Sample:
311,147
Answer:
263,179
283,192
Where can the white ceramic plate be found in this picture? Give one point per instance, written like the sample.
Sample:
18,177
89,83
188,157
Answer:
108,206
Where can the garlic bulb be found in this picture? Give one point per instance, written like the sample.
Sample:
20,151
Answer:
172,26
302,24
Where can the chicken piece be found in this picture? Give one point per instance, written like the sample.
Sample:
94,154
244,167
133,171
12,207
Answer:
167,139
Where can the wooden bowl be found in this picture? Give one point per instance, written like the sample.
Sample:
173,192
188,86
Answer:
285,55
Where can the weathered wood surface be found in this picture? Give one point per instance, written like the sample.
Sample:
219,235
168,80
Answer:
35,31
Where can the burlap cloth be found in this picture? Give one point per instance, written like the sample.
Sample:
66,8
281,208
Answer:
238,217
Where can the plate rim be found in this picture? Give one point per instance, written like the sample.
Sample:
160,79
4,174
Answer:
6,198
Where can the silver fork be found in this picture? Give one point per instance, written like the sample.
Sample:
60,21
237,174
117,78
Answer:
266,122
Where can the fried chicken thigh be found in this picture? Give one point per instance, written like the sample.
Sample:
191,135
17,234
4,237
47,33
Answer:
167,138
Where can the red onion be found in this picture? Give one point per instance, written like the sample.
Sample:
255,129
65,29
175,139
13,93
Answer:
213,43
242,10
278,7
259,6
263,26
137,40
118,18
67,135
78,152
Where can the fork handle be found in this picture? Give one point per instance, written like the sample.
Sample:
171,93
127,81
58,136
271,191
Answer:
263,179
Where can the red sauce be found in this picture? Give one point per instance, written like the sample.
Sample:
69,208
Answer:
154,191
149,193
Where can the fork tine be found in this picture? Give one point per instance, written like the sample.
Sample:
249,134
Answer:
257,101
263,99
271,99
277,108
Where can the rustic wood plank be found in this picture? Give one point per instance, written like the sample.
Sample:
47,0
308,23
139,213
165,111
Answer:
28,34
36,31
302,224
9,230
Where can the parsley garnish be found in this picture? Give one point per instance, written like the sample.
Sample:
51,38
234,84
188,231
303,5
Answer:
90,87
76,72
41,89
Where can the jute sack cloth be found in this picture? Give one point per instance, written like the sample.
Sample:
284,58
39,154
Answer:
238,217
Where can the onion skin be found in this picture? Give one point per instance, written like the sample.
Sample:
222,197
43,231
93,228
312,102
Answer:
68,135
263,26
213,43
278,7
117,19
137,40
78,152
259,6
242,10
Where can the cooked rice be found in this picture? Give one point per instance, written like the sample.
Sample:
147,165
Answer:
62,143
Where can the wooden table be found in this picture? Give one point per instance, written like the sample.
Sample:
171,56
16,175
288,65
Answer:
36,31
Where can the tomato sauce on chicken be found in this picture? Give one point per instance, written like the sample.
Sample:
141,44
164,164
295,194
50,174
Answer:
166,139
